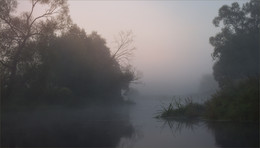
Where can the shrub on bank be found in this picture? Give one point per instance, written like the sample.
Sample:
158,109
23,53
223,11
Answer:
235,102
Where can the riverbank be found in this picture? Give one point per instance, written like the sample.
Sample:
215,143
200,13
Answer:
236,102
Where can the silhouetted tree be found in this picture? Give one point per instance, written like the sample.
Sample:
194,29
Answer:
124,47
124,51
236,47
71,64
49,59
17,31
236,68
83,64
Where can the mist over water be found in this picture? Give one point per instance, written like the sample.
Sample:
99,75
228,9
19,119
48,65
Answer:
72,89
103,125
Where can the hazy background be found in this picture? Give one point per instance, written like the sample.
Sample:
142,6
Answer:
171,37
174,55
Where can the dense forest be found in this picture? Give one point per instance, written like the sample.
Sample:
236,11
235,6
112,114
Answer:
47,59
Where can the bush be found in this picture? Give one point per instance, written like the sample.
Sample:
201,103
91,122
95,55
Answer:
235,102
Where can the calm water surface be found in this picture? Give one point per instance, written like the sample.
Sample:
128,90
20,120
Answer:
188,133
120,126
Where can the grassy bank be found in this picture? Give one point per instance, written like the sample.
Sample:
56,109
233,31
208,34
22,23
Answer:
236,102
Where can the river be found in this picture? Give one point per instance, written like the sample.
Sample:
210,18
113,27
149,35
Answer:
120,126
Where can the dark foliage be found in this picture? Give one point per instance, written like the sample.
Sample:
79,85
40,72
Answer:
236,52
236,102
47,59
236,47
55,69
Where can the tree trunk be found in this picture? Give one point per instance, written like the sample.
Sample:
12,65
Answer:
14,69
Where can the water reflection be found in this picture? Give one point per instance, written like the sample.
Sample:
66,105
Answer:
230,134
176,125
226,134
98,126
104,126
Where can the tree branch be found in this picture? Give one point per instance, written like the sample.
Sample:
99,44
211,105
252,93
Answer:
12,27
46,14
31,12
124,51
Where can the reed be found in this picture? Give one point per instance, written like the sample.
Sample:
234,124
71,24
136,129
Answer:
181,108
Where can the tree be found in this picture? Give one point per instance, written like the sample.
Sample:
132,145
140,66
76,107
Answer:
47,58
236,68
124,47
236,47
18,31
124,51
71,64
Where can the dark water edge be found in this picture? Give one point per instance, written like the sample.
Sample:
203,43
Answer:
95,126
235,134
225,133
119,126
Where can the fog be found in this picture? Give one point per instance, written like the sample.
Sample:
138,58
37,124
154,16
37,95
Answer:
69,89
171,37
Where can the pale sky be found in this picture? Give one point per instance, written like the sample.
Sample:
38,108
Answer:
171,37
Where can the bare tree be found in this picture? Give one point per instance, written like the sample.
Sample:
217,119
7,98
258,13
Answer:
124,48
124,51
17,30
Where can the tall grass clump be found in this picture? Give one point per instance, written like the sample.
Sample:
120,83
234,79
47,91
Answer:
180,108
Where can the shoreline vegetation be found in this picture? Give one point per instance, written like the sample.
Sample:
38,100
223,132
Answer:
52,62
236,68
229,104
181,108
